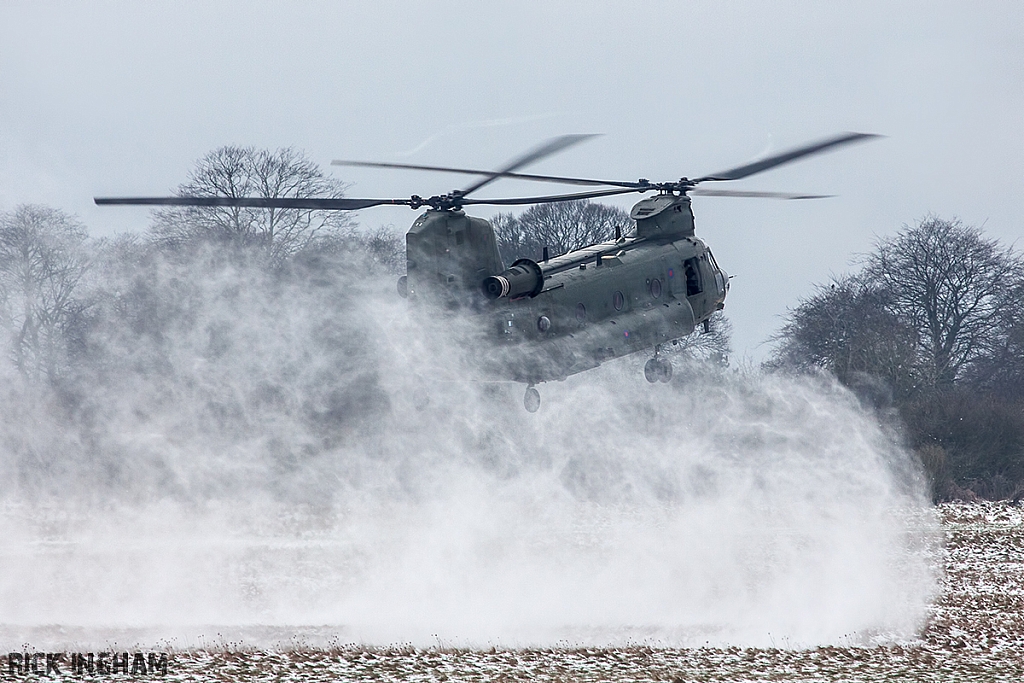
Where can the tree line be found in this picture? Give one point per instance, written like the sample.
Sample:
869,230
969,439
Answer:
930,328
59,287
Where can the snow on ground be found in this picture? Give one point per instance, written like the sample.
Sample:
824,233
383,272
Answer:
976,632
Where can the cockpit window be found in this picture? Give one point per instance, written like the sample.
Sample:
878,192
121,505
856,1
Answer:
694,286
720,282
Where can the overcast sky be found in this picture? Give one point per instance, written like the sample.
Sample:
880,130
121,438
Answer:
121,98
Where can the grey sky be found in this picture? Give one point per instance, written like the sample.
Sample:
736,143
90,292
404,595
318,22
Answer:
121,98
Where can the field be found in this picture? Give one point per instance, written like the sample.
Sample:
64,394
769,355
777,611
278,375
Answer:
976,632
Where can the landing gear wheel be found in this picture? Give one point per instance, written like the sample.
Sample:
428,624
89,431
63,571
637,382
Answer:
666,371
531,401
658,370
652,370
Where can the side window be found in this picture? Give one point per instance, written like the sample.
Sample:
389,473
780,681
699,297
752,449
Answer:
694,285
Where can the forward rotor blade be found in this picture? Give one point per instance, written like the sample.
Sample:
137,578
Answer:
754,193
536,154
325,203
548,199
786,157
469,171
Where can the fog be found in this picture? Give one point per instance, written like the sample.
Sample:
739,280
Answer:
277,458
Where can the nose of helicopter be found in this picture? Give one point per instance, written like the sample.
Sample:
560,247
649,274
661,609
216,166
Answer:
722,283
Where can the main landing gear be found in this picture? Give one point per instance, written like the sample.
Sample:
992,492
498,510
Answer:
658,369
531,401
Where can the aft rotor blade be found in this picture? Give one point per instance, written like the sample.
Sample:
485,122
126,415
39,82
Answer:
786,157
548,199
469,171
323,203
536,154
757,194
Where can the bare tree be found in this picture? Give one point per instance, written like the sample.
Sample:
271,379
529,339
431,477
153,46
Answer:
251,172
42,260
381,250
847,328
949,283
1001,368
385,248
560,226
713,346
937,316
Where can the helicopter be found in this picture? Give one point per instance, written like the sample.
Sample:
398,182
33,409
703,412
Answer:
562,314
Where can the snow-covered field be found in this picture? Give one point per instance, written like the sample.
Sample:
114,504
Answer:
976,632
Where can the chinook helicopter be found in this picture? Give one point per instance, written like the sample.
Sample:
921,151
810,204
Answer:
567,313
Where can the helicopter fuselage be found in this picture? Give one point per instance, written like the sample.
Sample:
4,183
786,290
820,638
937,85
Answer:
555,317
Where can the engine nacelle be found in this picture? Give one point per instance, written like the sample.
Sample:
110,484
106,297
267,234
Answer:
523,278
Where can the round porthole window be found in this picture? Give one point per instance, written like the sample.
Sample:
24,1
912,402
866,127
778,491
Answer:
581,312
656,288
618,300
543,323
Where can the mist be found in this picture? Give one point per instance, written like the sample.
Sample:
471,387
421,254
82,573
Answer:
262,456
